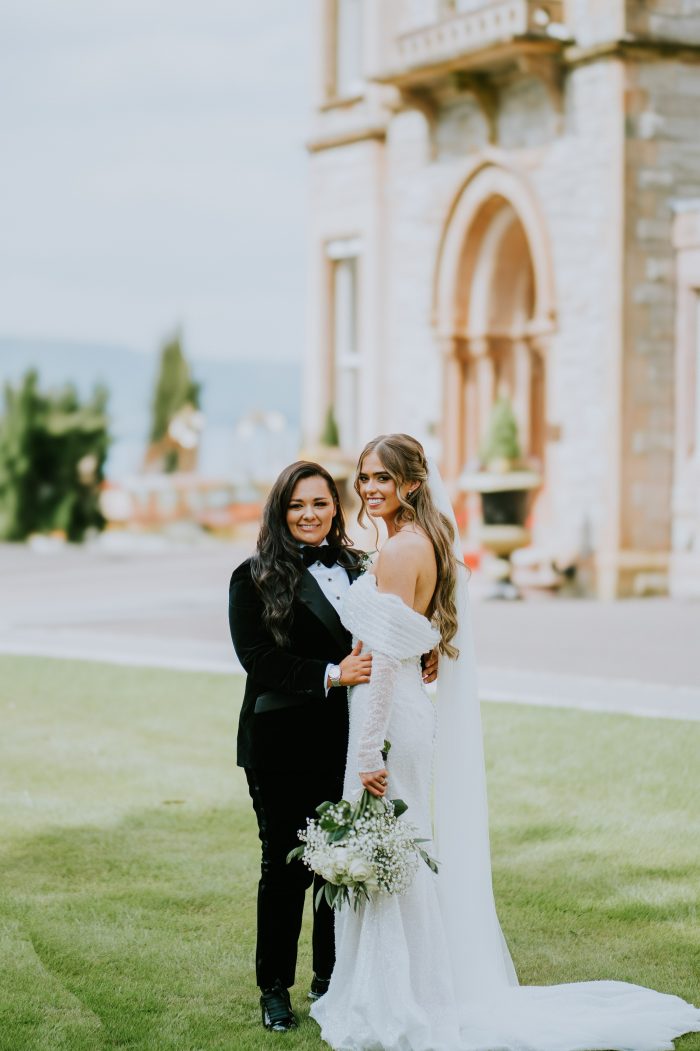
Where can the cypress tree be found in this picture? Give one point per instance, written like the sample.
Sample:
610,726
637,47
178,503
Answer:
174,388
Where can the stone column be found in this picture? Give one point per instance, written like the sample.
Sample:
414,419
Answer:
485,382
453,408
685,552
522,395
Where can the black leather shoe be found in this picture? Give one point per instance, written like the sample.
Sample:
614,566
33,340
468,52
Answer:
276,1007
319,987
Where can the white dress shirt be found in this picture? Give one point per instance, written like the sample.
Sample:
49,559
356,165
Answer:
333,582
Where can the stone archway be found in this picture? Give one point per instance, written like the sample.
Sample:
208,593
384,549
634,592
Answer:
493,307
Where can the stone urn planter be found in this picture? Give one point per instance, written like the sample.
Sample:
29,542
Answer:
505,489
505,498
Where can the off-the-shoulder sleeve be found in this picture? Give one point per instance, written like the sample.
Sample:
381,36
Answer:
393,632
384,622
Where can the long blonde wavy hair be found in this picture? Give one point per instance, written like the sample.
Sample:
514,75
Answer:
405,461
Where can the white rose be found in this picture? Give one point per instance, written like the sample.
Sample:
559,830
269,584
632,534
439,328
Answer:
322,862
359,869
340,863
325,870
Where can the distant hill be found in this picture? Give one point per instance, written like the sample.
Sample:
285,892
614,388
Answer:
230,391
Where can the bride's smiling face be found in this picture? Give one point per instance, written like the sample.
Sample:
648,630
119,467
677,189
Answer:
377,488
310,511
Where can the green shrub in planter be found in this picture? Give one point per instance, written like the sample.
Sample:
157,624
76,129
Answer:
500,450
330,435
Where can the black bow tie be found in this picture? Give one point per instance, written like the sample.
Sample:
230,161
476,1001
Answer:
326,554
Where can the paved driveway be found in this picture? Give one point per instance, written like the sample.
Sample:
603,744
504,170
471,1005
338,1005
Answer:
157,603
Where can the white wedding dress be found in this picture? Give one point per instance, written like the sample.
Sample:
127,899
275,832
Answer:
429,970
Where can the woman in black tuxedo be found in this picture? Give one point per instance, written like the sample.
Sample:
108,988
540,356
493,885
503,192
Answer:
292,735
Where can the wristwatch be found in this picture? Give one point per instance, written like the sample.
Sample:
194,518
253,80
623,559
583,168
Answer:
334,674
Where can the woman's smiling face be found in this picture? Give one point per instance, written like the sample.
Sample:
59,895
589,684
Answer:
310,511
377,488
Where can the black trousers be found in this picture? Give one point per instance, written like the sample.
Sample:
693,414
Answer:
283,800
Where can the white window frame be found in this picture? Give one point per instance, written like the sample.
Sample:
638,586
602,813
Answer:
695,379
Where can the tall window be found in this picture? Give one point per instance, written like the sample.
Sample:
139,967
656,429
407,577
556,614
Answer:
696,402
345,366
348,47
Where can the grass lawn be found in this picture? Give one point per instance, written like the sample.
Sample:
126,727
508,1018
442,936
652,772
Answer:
129,856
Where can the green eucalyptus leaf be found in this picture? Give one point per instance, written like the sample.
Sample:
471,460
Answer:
430,862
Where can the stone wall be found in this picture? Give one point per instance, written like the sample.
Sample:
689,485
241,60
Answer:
685,554
595,21
662,166
347,194
578,180
677,20
573,175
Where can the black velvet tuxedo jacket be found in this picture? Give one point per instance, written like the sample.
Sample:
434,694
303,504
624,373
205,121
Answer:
296,727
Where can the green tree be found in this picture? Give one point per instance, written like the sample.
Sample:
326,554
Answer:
18,483
52,454
174,388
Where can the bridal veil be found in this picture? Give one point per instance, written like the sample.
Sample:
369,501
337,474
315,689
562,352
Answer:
481,961
495,1011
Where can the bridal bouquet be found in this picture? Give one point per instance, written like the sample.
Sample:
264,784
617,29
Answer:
361,849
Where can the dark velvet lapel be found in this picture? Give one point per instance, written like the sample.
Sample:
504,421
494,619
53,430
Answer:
312,596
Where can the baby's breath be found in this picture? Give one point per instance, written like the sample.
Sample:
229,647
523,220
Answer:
361,851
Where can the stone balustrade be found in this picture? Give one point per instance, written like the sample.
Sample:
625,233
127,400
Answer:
489,25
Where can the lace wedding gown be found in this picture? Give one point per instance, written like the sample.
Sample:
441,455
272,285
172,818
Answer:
395,985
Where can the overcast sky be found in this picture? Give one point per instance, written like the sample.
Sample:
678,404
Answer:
153,172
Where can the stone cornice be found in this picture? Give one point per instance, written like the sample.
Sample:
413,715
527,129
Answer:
478,72
632,48
367,133
340,102
493,57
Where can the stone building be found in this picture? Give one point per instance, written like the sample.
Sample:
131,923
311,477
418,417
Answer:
493,185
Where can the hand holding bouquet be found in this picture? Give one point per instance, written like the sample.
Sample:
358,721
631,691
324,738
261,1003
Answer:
361,849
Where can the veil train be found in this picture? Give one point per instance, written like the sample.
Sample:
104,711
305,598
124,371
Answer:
496,1012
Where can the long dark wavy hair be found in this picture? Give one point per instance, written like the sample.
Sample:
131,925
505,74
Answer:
277,566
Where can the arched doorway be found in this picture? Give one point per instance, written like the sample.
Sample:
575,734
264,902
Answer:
494,311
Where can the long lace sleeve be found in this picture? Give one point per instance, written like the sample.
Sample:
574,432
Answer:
393,632
381,693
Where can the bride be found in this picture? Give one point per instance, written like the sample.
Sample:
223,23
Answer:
429,970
